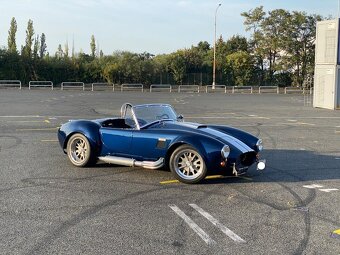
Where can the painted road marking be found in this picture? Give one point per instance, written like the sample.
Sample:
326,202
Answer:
336,233
313,186
210,177
318,187
200,232
51,141
225,117
26,121
215,222
169,182
37,129
304,123
47,121
27,116
328,190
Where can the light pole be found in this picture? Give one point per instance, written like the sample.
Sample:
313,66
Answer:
214,64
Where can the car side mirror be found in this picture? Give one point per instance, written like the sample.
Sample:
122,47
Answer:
180,117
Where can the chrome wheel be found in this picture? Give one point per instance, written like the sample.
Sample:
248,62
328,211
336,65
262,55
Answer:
188,164
78,150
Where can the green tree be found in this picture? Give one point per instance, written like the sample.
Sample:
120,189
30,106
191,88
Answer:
59,53
93,46
236,43
36,47
240,65
177,66
252,22
300,35
43,46
66,48
12,46
111,72
27,49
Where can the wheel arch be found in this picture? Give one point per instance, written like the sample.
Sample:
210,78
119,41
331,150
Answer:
88,129
197,144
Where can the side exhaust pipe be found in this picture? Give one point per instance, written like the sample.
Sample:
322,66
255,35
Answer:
132,162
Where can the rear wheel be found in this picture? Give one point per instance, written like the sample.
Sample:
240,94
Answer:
187,164
79,151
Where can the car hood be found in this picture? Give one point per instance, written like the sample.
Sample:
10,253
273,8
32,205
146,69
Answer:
214,133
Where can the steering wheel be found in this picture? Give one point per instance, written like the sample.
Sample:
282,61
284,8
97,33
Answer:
163,116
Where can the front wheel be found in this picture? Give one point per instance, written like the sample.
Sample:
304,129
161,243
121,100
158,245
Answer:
187,164
79,151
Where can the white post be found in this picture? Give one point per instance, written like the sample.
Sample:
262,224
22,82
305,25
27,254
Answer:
214,64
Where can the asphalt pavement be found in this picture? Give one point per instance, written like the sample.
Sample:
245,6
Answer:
49,206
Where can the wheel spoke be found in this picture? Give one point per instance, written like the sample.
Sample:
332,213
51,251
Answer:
189,164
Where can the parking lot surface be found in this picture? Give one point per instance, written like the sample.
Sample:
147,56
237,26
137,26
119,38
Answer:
48,206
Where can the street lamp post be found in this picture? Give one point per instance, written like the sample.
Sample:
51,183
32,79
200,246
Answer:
214,64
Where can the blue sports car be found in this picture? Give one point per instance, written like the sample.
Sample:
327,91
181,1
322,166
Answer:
154,136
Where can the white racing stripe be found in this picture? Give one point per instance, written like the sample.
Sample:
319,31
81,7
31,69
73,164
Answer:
214,221
206,238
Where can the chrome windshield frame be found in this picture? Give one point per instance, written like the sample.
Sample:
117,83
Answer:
125,107
123,111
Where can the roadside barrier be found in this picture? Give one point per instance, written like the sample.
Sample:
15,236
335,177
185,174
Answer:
289,90
40,84
132,87
10,83
72,85
218,88
160,87
242,89
189,88
138,87
269,89
103,85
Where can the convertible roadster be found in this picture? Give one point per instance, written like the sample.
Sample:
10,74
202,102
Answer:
154,136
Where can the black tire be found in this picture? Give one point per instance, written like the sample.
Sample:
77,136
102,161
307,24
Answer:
187,164
79,151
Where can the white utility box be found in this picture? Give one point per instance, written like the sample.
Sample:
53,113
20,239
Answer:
327,69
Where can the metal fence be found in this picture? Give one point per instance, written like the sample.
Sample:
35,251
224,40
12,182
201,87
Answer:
218,88
160,87
44,84
103,85
290,90
163,87
10,83
132,87
72,85
269,89
242,89
189,88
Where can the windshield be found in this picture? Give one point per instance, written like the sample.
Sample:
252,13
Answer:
147,114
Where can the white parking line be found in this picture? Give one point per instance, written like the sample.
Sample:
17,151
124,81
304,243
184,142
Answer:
206,238
328,190
214,221
318,187
313,186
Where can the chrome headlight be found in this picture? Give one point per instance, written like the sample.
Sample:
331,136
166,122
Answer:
225,151
259,145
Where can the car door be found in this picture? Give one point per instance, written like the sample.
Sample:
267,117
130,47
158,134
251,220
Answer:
116,141
150,144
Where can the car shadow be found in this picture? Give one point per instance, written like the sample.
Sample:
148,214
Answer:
290,166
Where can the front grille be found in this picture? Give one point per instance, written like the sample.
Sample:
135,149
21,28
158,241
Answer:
248,158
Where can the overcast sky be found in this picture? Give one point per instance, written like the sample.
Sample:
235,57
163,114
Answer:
154,26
